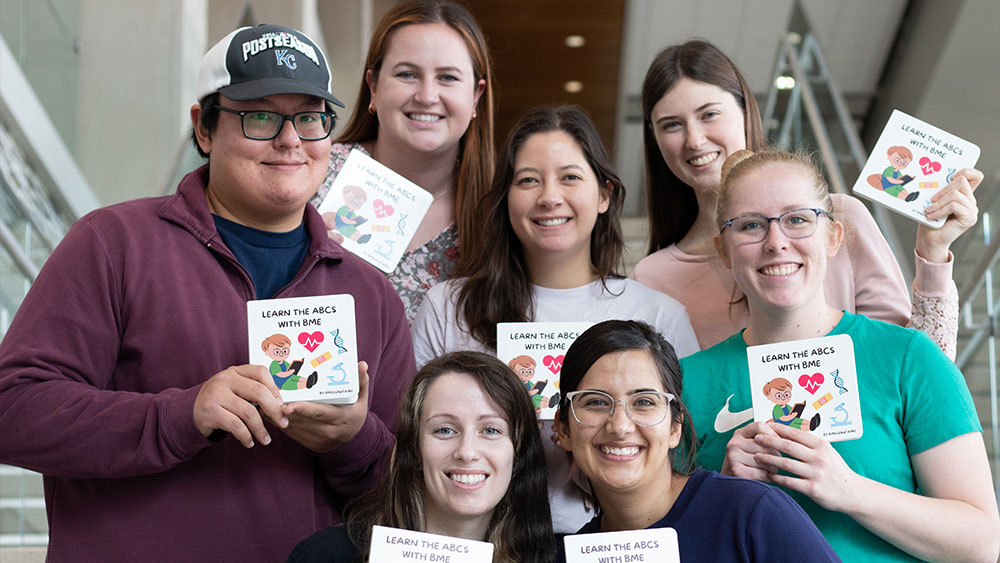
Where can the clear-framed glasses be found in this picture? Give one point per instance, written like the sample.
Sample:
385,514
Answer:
797,223
594,408
263,125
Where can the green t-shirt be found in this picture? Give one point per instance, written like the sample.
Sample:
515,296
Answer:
912,399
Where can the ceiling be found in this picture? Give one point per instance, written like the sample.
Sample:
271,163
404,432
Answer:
533,62
621,37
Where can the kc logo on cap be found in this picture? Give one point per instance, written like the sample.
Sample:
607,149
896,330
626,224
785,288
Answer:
255,62
285,59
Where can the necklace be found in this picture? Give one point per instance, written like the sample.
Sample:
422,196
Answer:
443,193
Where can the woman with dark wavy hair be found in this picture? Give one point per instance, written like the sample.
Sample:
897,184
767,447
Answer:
468,463
553,220
425,109
623,421
698,109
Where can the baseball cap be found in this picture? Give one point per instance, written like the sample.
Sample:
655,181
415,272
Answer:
254,62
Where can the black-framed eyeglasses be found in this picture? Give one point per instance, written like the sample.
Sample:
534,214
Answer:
263,125
797,223
593,408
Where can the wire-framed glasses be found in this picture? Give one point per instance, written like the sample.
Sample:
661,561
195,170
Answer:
797,223
263,125
593,408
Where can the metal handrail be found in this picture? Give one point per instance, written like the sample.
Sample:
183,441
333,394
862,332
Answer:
803,93
800,55
970,289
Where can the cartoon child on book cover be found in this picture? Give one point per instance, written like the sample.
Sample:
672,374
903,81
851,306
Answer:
285,374
524,367
347,220
779,392
892,179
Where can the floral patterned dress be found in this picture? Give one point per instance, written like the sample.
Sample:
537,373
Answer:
419,269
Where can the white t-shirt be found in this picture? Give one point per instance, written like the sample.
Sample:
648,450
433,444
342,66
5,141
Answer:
437,330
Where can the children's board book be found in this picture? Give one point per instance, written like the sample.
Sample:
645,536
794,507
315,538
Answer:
911,162
535,351
375,209
308,345
654,544
393,545
807,384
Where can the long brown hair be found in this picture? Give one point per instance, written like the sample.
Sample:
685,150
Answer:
671,203
498,285
521,527
475,152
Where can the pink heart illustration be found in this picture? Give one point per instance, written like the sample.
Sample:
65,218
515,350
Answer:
311,341
811,382
929,166
554,363
382,209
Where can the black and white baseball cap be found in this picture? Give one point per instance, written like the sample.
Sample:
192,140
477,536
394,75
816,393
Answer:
254,62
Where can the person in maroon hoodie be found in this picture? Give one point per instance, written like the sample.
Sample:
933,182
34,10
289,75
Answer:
124,375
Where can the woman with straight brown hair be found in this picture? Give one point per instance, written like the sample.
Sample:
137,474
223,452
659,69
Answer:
425,109
468,463
698,109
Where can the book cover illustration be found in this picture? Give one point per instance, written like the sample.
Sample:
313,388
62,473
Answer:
911,161
308,345
808,384
535,351
376,210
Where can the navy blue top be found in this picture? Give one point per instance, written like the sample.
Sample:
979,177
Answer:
720,518
271,259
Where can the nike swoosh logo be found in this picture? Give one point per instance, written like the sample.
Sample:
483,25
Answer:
727,420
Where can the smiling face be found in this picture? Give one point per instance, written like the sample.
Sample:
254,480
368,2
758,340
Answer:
697,126
262,184
898,161
780,396
619,456
778,274
524,372
466,450
426,90
354,197
276,352
555,198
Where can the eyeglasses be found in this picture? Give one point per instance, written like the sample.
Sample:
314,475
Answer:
261,125
797,223
593,408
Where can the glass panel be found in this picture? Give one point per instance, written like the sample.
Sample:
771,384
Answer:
43,35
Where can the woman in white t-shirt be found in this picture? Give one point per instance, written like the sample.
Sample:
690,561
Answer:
553,221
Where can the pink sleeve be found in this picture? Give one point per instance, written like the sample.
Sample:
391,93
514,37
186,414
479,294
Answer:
880,291
935,303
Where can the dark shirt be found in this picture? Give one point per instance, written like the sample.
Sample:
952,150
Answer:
271,259
325,546
720,518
